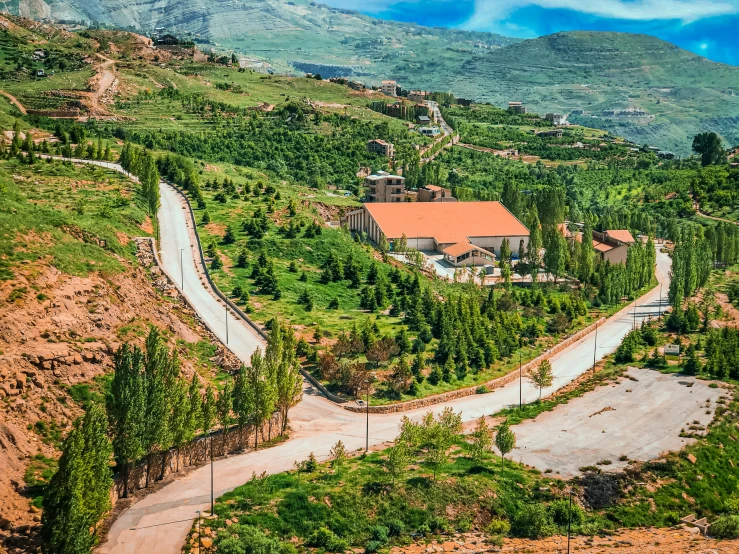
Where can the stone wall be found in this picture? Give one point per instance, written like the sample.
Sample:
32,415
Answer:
494,384
194,454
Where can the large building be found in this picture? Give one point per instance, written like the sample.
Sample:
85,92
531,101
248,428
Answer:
465,232
384,187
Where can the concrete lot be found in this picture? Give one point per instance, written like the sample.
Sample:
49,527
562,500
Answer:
639,418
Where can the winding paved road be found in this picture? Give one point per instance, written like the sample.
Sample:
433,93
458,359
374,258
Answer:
159,523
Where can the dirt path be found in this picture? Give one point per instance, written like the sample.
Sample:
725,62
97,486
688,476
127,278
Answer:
14,101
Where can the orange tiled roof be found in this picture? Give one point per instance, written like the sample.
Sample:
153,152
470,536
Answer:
602,246
621,234
462,248
433,187
446,222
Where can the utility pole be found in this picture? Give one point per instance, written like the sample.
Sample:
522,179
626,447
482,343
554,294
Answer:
520,382
182,269
595,347
569,523
212,496
366,446
199,515
634,326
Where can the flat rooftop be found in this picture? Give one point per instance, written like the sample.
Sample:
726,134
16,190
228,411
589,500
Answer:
447,222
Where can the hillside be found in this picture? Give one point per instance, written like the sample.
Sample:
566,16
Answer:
674,93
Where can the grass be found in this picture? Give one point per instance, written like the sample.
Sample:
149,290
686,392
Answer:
79,218
38,473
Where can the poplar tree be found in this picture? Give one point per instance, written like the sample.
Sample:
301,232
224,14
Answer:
79,492
223,409
156,431
243,402
194,414
179,422
287,379
126,409
263,391
505,440
208,413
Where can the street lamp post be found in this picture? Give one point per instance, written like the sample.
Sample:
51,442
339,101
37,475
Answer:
199,514
569,522
366,446
212,496
520,382
595,347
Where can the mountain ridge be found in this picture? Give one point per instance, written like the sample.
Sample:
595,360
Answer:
675,93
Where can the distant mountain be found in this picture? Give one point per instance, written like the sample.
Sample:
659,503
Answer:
636,85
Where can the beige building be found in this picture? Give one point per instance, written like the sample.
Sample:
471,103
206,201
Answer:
418,96
383,187
381,147
516,107
613,245
466,233
433,193
390,88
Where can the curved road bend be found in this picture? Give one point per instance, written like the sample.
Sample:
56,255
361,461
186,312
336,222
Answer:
159,522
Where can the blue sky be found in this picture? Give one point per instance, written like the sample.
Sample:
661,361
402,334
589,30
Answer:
706,27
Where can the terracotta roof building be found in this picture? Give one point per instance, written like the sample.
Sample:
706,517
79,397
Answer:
613,245
444,227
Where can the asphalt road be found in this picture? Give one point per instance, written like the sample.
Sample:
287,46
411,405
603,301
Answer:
159,523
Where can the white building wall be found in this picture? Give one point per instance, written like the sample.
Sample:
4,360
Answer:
493,243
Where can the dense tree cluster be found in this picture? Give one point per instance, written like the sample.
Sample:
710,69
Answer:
143,164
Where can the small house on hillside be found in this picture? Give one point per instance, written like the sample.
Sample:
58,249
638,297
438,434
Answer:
381,147
613,244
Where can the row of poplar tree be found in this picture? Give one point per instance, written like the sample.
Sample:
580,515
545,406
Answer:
150,413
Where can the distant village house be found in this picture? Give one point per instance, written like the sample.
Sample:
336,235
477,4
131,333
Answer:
381,147
516,107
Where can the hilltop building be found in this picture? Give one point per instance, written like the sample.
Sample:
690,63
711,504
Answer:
516,107
389,88
466,233
381,147
429,131
433,193
557,119
418,96
383,187
556,133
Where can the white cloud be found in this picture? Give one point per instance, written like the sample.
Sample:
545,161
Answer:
489,13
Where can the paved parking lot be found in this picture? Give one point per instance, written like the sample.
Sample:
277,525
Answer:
639,418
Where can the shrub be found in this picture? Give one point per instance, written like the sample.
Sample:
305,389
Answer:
247,539
533,521
482,389
726,527
395,527
325,538
560,510
379,533
373,546
499,527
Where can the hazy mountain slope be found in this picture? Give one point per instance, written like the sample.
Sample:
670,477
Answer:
676,93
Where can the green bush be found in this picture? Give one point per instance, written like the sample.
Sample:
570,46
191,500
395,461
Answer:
560,510
533,521
373,546
726,527
323,537
395,527
247,539
379,533
499,527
